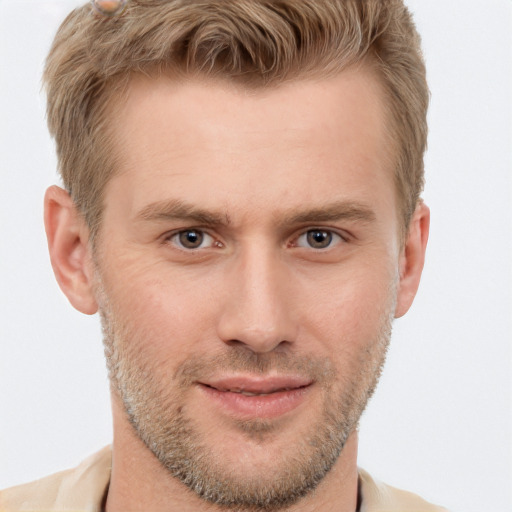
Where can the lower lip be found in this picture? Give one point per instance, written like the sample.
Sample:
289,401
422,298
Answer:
260,406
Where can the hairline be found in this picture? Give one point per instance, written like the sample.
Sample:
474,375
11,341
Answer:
118,89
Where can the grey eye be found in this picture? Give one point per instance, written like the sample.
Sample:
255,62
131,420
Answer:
318,239
192,239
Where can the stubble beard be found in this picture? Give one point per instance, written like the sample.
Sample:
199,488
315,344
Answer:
157,412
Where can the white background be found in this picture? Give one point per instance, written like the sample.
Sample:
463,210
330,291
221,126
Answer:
440,423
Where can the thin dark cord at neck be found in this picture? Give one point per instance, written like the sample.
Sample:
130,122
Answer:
359,495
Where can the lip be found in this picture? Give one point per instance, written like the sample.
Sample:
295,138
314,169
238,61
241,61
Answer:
248,397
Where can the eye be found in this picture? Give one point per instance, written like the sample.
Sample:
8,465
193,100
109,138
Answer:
191,239
318,239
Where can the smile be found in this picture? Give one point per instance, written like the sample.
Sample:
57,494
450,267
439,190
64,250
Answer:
255,393
252,398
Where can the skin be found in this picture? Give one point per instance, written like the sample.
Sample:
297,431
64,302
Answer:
109,7
263,167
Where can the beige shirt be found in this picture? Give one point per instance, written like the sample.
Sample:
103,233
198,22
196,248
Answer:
84,489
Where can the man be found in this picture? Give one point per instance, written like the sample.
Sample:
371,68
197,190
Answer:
242,207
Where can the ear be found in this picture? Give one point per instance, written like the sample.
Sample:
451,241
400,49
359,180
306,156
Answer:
412,259
68,244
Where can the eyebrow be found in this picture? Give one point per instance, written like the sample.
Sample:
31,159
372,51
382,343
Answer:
175,209
340,210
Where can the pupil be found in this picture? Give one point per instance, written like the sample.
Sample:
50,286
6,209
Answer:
319,239
191,239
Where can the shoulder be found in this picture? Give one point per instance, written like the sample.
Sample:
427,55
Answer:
78,489
38,495
379,497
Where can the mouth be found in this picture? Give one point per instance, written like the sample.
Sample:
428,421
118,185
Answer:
257,397
258,385
255,393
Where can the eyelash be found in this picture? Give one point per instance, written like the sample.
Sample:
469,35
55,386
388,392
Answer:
335,238
174,239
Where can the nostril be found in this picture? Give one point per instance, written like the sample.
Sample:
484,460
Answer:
258,346
234,343
258,324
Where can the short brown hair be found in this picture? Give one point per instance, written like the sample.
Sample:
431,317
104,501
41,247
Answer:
258,43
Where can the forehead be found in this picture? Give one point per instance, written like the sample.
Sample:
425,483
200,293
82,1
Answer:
221,144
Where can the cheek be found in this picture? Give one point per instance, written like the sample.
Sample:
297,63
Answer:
158,310
351,312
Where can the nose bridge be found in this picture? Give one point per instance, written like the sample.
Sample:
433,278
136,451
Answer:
257,312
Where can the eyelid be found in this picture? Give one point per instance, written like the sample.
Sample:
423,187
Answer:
342,237
171,237
168,237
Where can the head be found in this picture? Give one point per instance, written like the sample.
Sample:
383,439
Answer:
242,207
256,44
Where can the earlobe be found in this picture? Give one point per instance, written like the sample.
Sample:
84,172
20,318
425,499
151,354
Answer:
412,259
68,244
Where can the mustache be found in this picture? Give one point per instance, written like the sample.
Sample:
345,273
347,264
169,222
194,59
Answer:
238,359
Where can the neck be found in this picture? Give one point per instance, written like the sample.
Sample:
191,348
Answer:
140,482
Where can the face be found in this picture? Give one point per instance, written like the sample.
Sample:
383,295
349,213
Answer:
247,268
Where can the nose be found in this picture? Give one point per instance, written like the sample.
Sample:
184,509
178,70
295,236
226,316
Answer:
258,308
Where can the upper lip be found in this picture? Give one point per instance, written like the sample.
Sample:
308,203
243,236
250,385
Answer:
258,384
